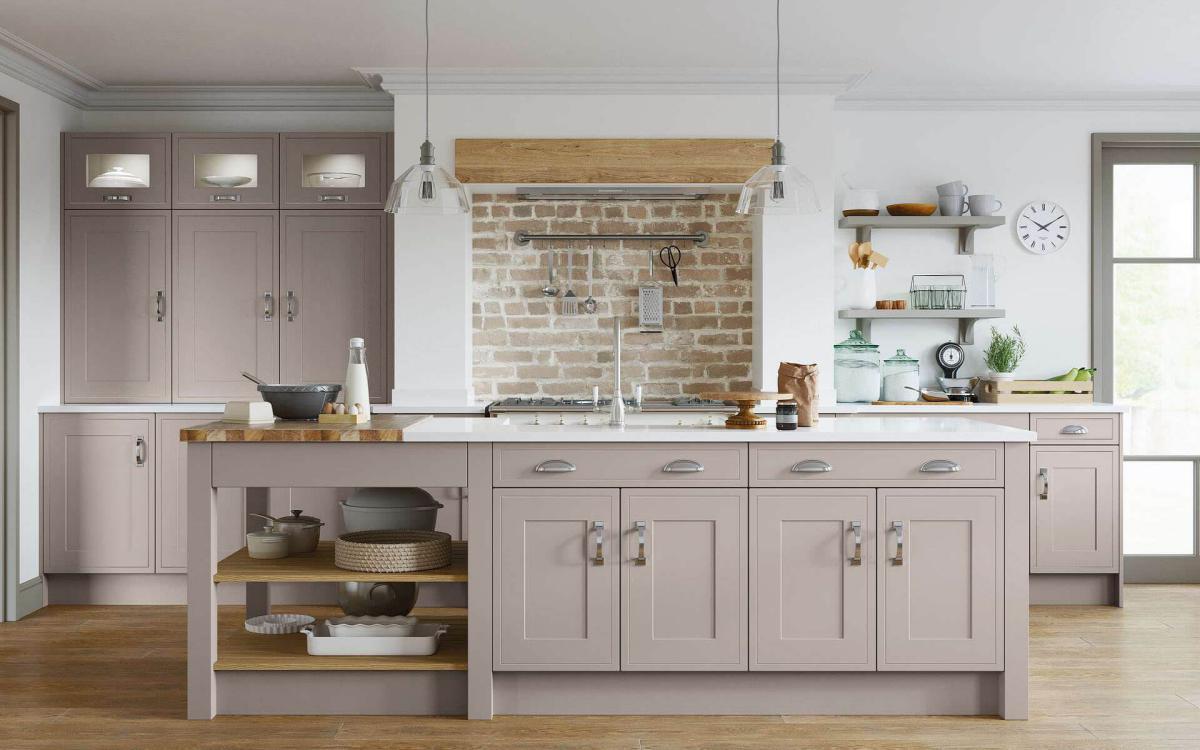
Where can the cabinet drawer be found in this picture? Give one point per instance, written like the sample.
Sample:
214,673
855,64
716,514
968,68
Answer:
874,465
1076,428
619,465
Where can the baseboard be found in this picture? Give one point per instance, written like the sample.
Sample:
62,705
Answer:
343,693
31,596
1074,588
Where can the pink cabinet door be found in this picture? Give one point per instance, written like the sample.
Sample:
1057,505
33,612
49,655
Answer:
226,170
1074,515
334,170
812,579
97,493
112,170
332,288
940,581
116,306
684,603
555,565
226,304
170,522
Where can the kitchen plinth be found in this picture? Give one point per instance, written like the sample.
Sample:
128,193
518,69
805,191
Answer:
862,566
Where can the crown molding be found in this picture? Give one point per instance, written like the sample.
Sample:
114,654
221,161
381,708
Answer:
237,98
601,81
43,71
1187,100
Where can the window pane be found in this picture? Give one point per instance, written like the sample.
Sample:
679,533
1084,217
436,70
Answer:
1152,210
1159,508
1156,310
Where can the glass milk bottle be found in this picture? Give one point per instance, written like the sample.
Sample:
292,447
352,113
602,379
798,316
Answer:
356,390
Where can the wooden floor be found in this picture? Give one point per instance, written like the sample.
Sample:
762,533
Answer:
99,677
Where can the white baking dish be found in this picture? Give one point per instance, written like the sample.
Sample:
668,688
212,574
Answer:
423,642
371,626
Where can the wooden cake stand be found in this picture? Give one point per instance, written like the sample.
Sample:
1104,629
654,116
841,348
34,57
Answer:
746,419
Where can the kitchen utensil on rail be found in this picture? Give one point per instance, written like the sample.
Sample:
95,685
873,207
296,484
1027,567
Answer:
570,303
589,304
303,531
746,419
670,257
550,290
650,301
359,598
296,401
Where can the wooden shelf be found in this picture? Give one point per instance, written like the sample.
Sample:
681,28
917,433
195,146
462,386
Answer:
239,650
318,567
965,225
967,318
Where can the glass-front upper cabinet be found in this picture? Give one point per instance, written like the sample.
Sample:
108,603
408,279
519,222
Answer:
334,170
112,170
226,170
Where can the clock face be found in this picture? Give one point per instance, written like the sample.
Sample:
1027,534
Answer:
950,355
1043,227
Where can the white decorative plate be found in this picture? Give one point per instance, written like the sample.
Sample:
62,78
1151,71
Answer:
278,624
226,180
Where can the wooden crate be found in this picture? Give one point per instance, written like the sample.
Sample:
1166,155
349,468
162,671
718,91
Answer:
1035,392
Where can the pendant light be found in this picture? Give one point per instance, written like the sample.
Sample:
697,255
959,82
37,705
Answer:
425,188
777,188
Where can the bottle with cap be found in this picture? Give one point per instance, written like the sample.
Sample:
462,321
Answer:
357,391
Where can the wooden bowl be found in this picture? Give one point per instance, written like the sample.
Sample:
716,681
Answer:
860,212
912,209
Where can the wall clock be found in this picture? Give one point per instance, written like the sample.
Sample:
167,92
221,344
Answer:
1043,227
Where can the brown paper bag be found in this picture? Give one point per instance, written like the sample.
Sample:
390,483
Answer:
800,381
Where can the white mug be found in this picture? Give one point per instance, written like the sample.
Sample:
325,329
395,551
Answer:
983,204
952,205
952,188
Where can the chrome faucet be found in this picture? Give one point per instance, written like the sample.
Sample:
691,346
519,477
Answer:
616,414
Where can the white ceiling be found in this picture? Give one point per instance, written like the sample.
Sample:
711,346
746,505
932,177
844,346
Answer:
937,48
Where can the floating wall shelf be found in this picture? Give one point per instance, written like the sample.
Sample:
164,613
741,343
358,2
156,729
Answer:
966,226
966,318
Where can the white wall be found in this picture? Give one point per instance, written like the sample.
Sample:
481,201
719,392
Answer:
1019,156
42,118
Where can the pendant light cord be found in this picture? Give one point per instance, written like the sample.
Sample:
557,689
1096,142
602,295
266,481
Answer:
778,44
427,68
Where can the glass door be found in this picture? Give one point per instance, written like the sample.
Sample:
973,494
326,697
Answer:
1151,265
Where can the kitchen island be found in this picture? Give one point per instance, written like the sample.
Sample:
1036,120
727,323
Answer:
866,566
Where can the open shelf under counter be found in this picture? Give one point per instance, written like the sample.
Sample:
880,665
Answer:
965,225
241,651
967,318
318,567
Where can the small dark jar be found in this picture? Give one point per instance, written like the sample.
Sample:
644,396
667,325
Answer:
785,415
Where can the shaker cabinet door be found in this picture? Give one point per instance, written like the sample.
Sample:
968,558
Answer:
684,603
97,493
114,170
812,579
116,306
334,170
941,558
226,300
333,287
555,565
1075,512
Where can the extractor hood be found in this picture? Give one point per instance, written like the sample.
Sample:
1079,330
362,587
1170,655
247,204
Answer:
584,192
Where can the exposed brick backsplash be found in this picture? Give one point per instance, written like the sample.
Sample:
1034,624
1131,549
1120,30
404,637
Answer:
525,346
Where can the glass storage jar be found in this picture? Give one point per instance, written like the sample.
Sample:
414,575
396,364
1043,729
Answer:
856,376
901,378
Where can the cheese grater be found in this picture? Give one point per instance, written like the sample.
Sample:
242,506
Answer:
650,303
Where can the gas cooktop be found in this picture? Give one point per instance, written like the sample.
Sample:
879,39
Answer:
545,404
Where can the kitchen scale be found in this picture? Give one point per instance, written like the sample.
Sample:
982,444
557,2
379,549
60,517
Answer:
950,356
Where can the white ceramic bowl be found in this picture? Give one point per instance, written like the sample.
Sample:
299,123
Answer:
225,180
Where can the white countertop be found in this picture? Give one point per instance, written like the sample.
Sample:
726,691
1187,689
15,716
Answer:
974,408
864,430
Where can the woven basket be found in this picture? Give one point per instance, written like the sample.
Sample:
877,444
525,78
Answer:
392,551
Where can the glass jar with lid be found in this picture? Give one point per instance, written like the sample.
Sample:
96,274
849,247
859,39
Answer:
901,378
856,376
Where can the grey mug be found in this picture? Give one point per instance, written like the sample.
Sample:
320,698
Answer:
952,205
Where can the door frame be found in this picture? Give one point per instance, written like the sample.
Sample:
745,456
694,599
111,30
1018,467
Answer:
10,587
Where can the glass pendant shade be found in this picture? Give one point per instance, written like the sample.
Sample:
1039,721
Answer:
426,188
778,189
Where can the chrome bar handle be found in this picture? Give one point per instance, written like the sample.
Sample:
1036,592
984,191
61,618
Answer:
1073,429
641,533
139,451
856,558
899,528
332,198
291,306
598,526
940,466
812,466
160,305
1044,478
268,306
555,466
225,198
117,198
684,466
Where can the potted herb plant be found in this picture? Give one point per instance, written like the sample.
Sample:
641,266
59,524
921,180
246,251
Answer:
1004,353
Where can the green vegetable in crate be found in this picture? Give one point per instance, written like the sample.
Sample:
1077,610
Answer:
1085,374
1068,375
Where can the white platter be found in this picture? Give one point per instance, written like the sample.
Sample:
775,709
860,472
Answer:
423,642
226,181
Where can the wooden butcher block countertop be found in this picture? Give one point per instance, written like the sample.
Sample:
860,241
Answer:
383,428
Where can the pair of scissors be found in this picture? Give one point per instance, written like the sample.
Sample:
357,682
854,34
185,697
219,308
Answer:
670,256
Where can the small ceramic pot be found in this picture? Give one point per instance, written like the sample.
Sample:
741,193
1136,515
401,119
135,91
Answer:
267,545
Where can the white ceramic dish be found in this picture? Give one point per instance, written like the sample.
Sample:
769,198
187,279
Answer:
117,177
422,642
278,624
377,626
334,179
226,180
